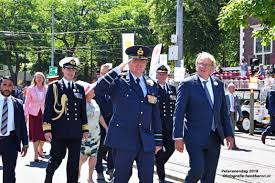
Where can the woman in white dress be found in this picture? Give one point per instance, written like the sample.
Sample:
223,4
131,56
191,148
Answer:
89,148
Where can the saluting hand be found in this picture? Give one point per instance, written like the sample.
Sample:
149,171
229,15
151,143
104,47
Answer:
48,136
179,145
123,64
85,136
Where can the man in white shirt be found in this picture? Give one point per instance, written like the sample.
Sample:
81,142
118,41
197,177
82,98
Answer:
234,108
13,130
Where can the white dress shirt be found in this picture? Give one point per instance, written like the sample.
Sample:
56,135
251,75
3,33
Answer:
11,125
231,99
209,87
66,82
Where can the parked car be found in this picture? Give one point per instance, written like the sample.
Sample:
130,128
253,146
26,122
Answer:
261,116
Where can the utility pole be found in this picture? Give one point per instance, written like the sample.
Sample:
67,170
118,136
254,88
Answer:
52,48
179,31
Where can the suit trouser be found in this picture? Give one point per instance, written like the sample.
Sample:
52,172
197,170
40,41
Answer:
163,155
102,151
233,122
271,127
58,152
8,150
123,163
203,160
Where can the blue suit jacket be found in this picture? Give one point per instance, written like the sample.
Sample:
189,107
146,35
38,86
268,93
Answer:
271,102
20,124
135,121
192,105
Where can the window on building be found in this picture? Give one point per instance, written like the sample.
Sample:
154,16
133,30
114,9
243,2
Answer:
1,67
262,52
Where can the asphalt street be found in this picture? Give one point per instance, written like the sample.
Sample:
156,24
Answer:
252,163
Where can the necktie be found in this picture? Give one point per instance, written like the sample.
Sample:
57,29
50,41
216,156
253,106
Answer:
164,88
69,85
4,124
140,91
207,93
232,103
213,125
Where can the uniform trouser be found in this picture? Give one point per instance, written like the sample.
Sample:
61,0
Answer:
233,122
58,152
123,163
203,160
8,151
102,151
163,155
271,127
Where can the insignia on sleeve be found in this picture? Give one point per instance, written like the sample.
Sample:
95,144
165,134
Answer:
47,126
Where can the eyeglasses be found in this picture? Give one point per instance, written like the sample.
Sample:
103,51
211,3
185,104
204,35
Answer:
205,65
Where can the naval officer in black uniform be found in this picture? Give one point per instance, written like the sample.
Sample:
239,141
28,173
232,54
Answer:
167,98
134,132
65,121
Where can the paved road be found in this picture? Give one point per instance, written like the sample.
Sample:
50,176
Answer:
253,159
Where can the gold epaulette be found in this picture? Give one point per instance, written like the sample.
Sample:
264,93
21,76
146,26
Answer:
85,127
47,126
52,82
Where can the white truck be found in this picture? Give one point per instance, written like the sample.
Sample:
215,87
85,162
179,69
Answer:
261,116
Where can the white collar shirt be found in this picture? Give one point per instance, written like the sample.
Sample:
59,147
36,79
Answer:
11,125
66,82
209,87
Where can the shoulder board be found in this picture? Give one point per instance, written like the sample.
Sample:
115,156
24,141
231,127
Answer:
53,82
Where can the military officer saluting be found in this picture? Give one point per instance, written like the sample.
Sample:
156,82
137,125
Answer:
134,131
65,120
167,98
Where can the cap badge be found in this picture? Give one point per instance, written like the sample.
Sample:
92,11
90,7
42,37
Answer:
72,62
140,52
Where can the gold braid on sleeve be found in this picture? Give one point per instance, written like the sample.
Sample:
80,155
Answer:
64,100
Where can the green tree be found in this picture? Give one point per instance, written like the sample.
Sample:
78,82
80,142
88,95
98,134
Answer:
129,16
15,16
201,29
236,14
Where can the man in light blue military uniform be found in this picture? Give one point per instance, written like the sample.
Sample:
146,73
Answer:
134,132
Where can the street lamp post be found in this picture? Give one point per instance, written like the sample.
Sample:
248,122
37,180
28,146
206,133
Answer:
179,32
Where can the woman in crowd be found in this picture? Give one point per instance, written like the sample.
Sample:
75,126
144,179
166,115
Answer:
34,109
89,148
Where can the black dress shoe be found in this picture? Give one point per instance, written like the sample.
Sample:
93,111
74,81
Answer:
263,138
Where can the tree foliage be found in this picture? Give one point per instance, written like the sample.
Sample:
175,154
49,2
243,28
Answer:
200,29
91,31
237,13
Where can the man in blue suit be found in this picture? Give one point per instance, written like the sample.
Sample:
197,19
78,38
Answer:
13,130
202,105
270,102
134,131
106,109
